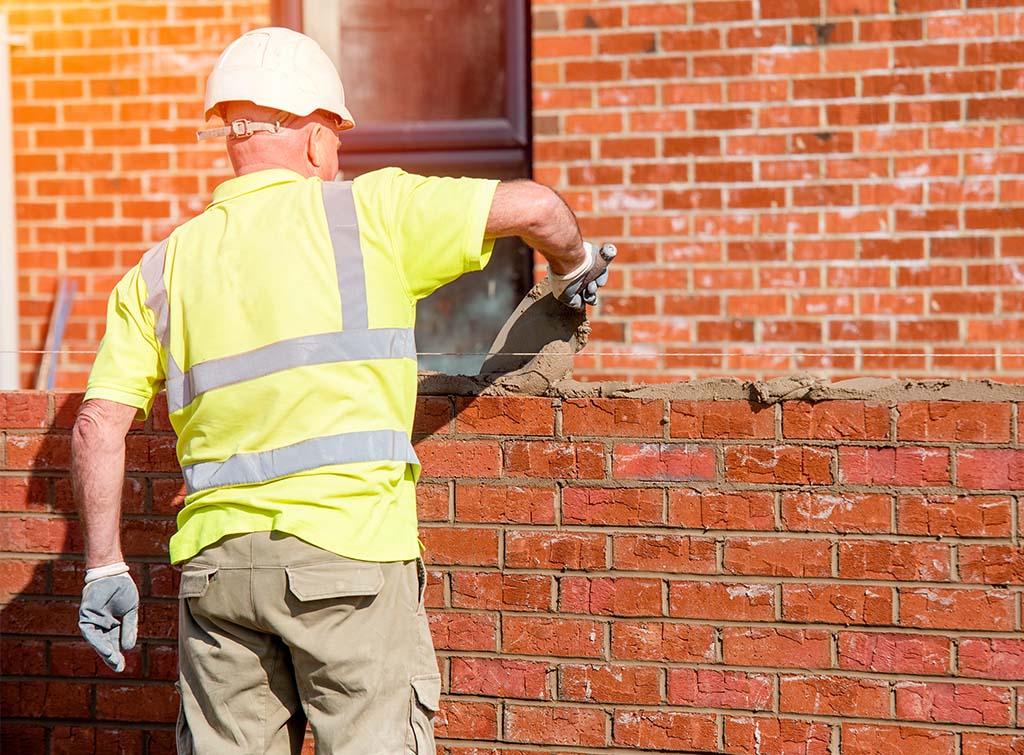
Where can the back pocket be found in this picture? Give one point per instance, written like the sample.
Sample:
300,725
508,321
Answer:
335,579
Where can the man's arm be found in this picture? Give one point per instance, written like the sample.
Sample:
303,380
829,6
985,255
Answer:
541,218
109,612
97,476
544,221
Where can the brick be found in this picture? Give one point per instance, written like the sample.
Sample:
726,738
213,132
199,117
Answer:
834,696
554,550
871,739
537,724
778,464
23,657
878,559
661,641
934,608
719,689
903,466
581,638
778,557
505,416
39,699
462,546
991,564
662,461
953,703
992,744
995,469
721,419
39,534
663,730
835,420
24,410
760,736
837,604
503,504
786,648
951,515
612,417
550,459
491,591
616,506
433,415
746,510
39,451
845,512
991,658
636,685
605,596
954,421
432,502
499,677
894,653
663,553
722,601
462,458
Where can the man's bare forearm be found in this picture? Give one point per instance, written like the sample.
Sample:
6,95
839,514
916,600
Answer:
97,476
541,218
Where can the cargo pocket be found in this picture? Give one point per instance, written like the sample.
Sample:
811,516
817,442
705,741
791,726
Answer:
194,582
182,734
335,579
426,701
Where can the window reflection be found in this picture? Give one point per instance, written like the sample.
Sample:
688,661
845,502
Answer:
415,60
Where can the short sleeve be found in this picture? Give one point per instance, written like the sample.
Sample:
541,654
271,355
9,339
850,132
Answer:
436,226
128,368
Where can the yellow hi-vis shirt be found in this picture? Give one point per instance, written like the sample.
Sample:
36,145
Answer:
280,322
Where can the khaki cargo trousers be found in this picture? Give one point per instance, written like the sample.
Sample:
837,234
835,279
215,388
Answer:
274,632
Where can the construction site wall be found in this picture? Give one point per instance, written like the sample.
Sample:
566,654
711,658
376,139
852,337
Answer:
835,185
707,567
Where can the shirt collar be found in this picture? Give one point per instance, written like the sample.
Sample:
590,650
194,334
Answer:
236,187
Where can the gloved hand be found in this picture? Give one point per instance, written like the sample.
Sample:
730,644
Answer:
108,615
578,287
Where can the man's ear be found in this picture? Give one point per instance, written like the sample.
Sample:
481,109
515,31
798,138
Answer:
314,146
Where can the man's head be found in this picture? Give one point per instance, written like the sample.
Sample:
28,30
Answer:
282,101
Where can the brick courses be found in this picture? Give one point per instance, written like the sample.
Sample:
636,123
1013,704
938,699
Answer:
798,176
631,608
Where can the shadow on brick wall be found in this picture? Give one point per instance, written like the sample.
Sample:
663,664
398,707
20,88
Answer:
57,695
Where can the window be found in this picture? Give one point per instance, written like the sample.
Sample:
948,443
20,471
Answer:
438,87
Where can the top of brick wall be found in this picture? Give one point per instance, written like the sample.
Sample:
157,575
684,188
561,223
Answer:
794,387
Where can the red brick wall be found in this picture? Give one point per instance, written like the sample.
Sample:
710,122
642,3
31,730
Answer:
107,97
793,176
611,574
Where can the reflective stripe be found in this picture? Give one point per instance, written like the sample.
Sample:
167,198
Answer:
152,268
340,208
346,448
342,346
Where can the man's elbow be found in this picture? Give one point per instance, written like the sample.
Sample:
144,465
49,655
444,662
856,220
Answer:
98,428
546,208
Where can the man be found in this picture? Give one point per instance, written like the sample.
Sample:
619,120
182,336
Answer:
280,322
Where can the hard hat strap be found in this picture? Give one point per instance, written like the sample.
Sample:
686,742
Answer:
242,128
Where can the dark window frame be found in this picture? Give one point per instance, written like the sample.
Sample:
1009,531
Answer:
511,131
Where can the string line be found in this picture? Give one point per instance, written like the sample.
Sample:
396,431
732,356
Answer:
710,353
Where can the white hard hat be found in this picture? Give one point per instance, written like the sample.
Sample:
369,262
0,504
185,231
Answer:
280,69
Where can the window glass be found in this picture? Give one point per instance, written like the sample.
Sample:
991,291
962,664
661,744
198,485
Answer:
414,60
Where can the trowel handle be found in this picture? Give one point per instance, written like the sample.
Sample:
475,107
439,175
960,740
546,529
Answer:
608,252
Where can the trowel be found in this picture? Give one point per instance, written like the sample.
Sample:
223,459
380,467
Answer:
539,326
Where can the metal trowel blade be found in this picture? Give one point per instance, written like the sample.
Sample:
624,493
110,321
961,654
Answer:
539,321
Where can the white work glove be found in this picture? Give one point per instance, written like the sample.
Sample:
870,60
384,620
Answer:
108,616
578,287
